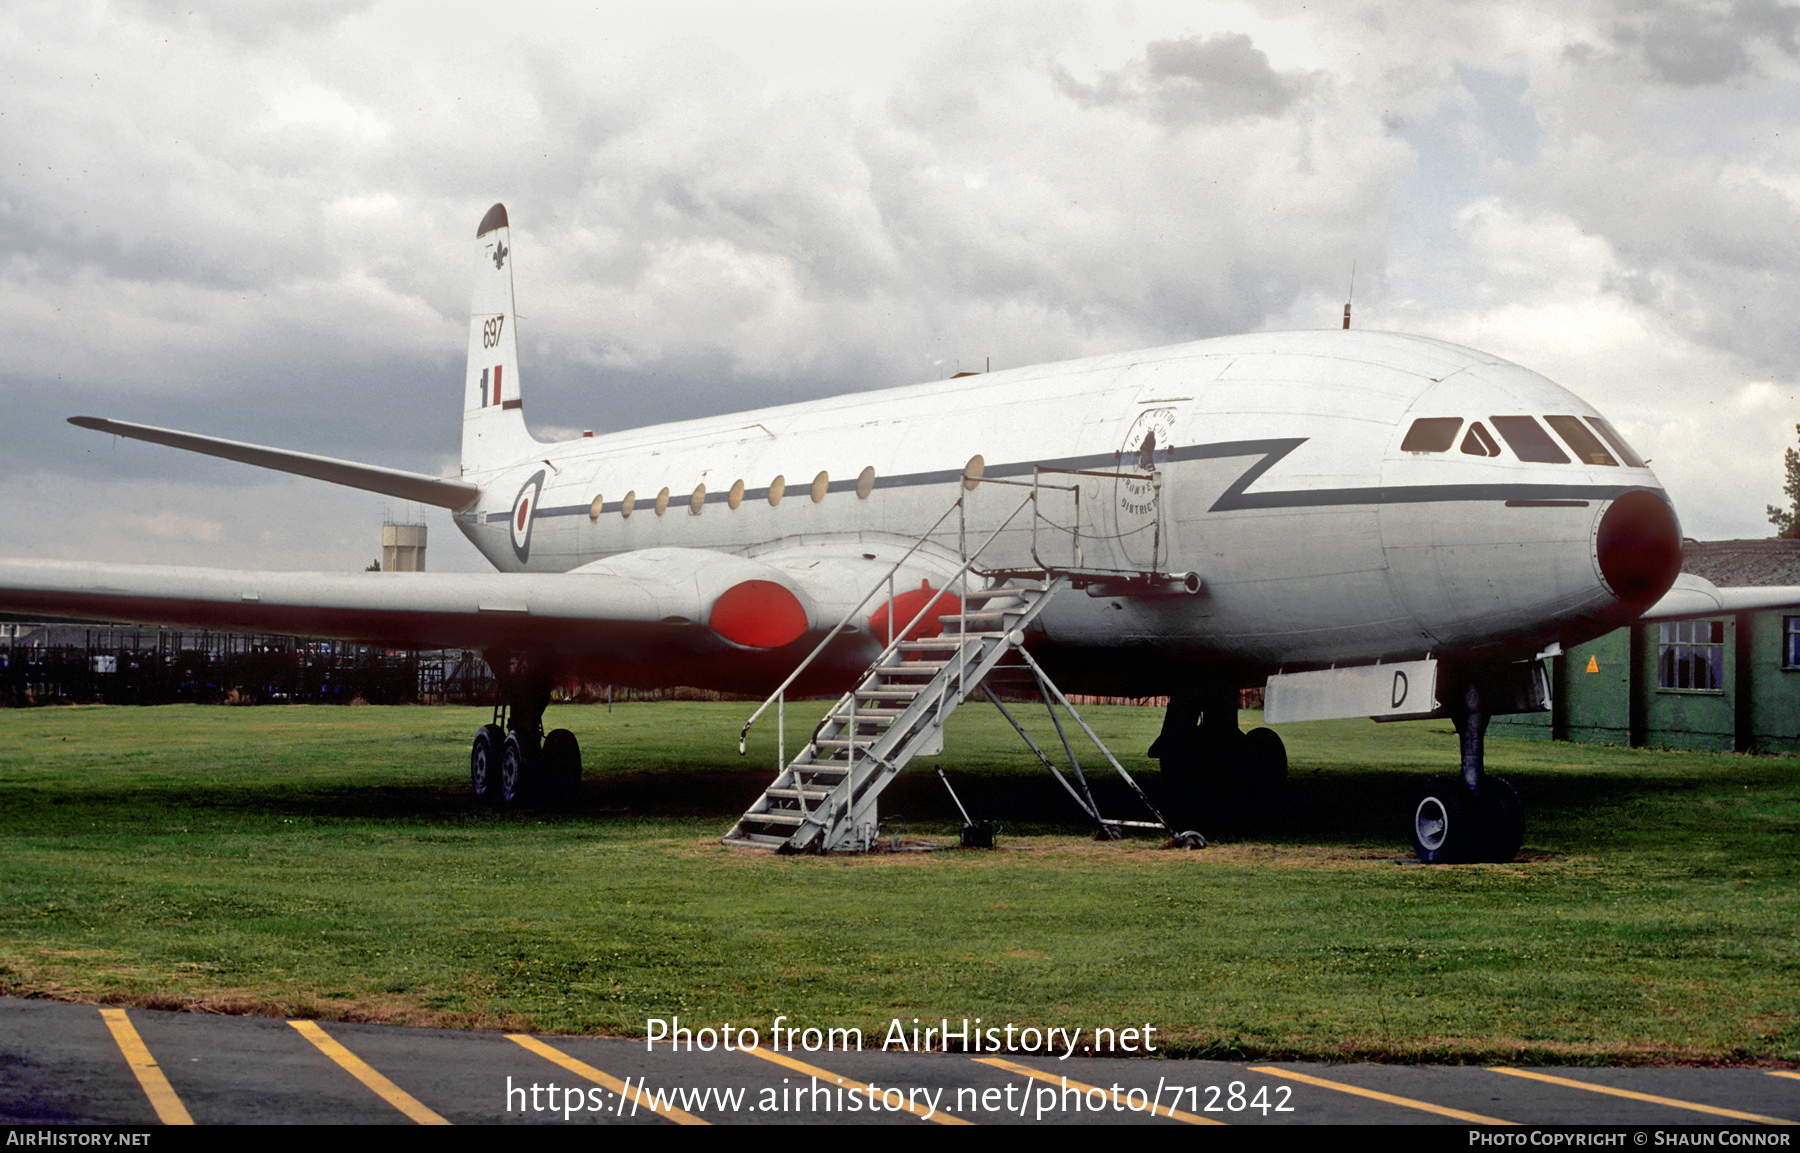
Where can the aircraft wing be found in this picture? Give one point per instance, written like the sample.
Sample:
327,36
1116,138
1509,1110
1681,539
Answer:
1695,596
670,605
414,486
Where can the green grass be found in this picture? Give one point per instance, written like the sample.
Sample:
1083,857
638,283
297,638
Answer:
330,861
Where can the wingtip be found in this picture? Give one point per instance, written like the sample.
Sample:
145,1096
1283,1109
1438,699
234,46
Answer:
495,218
87,421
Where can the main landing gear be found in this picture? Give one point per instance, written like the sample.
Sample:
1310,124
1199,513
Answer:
513,761
1472,817
1218,773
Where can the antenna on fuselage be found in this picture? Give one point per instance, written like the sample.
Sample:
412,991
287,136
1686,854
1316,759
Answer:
1352,295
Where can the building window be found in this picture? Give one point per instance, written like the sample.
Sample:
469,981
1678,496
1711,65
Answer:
1790,642
1691,655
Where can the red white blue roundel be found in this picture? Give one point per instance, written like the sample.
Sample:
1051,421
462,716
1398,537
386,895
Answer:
524,512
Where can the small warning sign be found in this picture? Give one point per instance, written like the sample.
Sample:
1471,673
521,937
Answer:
1593,664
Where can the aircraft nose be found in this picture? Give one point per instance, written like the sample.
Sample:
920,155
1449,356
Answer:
1638,547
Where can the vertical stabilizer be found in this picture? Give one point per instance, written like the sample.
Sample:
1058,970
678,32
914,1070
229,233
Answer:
494,432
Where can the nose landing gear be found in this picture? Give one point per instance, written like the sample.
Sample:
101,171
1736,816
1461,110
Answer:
1472,817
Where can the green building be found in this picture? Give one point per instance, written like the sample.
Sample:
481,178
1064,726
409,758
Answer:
1729,682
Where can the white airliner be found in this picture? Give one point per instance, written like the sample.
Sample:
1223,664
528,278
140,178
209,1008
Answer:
1369,524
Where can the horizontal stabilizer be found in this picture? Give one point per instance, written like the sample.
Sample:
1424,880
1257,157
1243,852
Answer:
413,486
1695,596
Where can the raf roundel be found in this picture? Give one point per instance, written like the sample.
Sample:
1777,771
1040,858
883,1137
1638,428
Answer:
524,514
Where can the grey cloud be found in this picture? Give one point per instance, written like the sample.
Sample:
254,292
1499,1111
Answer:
1690,46
1194,80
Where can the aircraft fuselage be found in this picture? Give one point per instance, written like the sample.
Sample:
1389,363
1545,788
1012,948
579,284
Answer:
1271,465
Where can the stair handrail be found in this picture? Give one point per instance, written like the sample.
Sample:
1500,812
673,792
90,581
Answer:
744,733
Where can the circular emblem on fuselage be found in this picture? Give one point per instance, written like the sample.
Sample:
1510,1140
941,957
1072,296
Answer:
524,513
1145,449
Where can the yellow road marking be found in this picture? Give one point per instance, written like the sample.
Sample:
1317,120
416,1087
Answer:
938,1116
1440,1110
1059,1079
169,1109
382,1087
1782,1073
1635,1096
622,1088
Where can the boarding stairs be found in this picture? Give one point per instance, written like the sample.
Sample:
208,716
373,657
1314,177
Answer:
825,799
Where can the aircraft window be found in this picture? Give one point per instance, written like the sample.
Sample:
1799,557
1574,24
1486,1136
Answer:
1528,439
865,483
776,488
737,495
1691,655
1587,446
594,509
972,472
629,503
1479,443
697,501
1631,459
820,484
1431,434
662,502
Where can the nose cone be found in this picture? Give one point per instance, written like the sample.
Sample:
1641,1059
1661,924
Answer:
1638,548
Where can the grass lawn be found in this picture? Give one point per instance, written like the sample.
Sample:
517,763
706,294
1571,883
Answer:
331,862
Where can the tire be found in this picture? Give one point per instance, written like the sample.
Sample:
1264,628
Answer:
1263,771
560,765
484,763
1446,824
1503,815
518,771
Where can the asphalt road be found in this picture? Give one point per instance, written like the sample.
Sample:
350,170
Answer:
83,1065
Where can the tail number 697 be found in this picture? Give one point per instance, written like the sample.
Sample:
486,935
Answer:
490,331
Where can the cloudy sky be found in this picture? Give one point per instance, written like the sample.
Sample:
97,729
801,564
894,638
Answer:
253,220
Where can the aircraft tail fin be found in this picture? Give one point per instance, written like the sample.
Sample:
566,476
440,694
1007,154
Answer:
494,433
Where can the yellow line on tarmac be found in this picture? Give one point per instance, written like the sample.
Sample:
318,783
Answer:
1357,1090
1782,1073
1635,1096
622,1088
382,1087
937,1115
1059,1079
169,1109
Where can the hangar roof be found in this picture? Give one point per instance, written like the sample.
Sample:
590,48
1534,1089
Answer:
1740,563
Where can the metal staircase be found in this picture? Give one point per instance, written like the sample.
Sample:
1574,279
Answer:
825,799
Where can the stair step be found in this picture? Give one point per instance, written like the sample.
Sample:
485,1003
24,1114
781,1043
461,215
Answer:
1003,591
753,841
809,796
770,817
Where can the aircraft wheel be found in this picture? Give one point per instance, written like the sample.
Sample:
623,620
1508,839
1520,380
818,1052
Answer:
484,762
560,762
1503,815
1447,824
517,771
1263,770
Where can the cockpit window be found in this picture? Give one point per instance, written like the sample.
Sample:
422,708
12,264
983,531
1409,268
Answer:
1528,439
1631,459
1431,434
1587,446
1479,442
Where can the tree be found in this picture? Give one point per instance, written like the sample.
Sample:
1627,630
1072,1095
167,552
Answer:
1787,522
